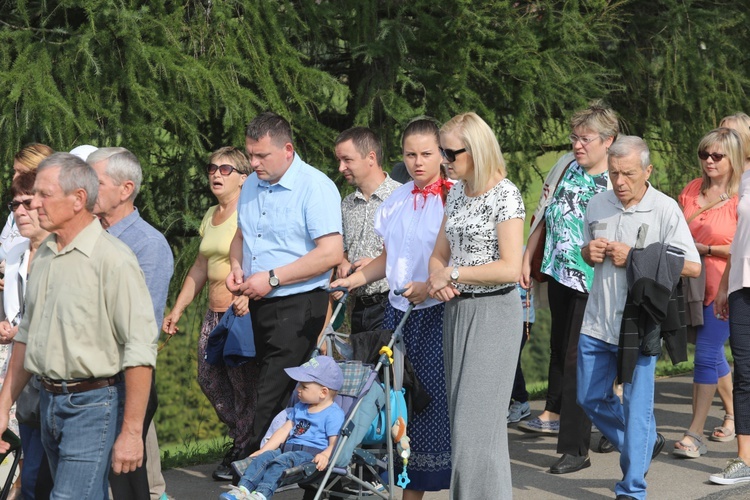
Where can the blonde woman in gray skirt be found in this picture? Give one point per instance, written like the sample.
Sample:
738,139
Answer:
474,268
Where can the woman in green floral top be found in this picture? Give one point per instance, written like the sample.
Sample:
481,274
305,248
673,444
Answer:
566,193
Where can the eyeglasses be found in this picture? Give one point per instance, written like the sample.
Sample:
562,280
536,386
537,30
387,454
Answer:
13,205
225,169
450,154
717,157
585,141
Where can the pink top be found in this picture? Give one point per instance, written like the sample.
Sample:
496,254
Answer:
716,226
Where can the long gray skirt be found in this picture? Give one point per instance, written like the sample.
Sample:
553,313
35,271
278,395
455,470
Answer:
481,350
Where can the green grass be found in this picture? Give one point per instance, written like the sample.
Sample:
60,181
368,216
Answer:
192,452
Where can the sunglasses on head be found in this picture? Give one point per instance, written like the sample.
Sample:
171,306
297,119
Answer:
13,205
703,155
450,154
225,169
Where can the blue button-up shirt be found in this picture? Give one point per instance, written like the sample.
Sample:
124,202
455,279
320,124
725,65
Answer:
154,257
280,222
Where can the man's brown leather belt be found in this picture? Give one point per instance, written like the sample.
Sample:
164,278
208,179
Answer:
75,386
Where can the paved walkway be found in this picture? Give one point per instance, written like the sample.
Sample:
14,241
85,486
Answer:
531,455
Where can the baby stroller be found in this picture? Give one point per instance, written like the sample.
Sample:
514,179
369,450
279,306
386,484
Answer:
369,413
15,450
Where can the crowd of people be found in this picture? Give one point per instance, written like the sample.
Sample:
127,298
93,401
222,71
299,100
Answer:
86,281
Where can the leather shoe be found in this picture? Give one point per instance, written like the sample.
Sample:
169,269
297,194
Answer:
605,445
570,463
658,445
624,497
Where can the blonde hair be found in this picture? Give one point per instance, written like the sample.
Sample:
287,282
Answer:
597,117
480,142
32,155
236,156
740,123
728,140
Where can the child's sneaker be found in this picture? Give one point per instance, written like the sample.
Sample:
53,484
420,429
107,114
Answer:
518,411
238,493
735,472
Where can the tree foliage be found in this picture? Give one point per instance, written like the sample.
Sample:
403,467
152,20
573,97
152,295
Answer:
173,81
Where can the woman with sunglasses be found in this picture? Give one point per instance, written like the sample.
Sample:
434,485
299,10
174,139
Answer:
229,389
566,193
26,160
408,221
474,269
710,207
35,476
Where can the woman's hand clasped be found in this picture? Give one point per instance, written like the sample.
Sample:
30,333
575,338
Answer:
440,287
7,332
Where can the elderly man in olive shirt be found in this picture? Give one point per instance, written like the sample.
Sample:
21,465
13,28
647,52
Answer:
87,332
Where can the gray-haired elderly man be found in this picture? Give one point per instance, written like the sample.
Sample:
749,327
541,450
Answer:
634,215
120,178
88,333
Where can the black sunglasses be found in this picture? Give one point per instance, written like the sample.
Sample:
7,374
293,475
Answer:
225,169
717,157
450,154
13,205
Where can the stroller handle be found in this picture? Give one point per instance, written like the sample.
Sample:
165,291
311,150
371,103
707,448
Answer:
400,291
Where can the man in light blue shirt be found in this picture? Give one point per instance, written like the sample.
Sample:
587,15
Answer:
120,179
288,239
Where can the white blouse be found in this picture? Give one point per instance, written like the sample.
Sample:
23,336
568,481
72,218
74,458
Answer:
739,273
471,226
16,268
409,236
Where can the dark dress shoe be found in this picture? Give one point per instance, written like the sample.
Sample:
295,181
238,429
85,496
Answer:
658,445
624,497
570,463
605,445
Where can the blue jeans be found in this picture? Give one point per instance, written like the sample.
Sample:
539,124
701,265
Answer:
264,472
78,431
629,426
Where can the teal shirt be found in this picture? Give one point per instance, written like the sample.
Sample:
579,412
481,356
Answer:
564,220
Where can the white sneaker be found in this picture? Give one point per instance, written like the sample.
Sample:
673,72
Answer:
518,411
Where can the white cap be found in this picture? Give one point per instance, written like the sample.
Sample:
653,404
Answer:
83,151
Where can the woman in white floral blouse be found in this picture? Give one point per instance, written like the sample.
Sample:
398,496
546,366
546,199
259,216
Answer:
474,268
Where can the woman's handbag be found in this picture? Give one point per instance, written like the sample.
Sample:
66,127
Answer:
538,256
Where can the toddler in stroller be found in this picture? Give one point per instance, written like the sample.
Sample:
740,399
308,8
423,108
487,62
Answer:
309,434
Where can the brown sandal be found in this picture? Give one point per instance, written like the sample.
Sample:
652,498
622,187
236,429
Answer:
728,434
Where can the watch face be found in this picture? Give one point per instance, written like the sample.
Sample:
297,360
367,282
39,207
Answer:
454,274
273,281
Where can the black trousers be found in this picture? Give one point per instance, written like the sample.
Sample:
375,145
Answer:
520,393
367,313
134,485
739,340
286,330
567,307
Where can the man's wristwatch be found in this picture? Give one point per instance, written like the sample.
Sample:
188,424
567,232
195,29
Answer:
272,279
454,274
